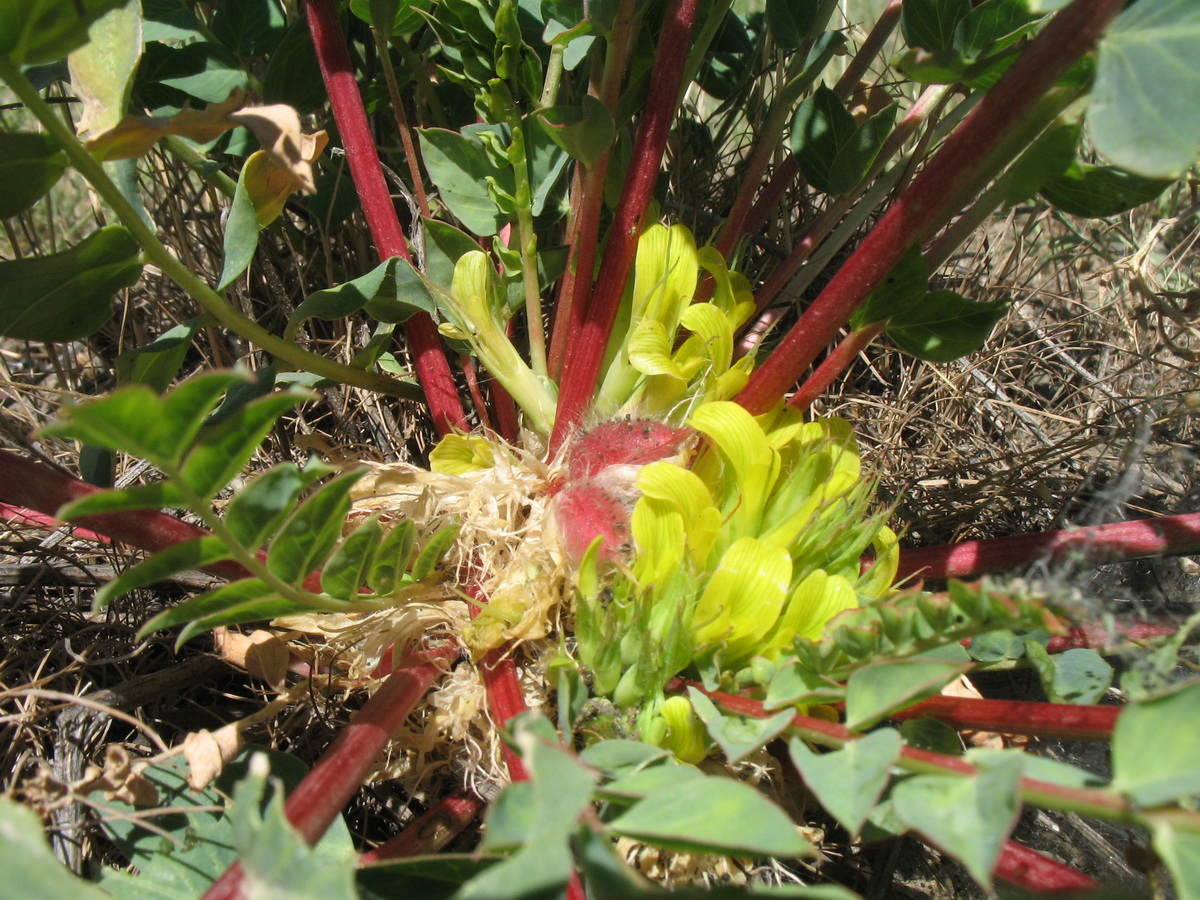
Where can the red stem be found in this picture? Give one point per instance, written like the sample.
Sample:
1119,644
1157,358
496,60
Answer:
1095,637
834,364
1039,873
586,347
928,200
1119,541
1049,720
340,771
433,370
440,824
884,25
777,185
22,516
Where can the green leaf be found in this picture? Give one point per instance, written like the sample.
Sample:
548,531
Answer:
391,292
249,27
192,845
1156,748
932,66
168,20
66,296
406,18
392,559
29,865
931,24
313,530
201,70
821,130
585,132
883,687
902,289
930,734
790,21
158,362
945,326
698,821
241,234
1048,158
30,164
42,31
988,24
193,554
561,792
444,249
258,510
968,817
850,781
293,75
1081,676
137,421
460,166
1180,852
433,551
1099,191
429,877
996,645
143,496
792,684
639,784
737,736
1142,111
246,600
346,570
102,69
272,852
224,449
616,758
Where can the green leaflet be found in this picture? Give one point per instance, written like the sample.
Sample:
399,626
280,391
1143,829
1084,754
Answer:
65,296
1141,115
850,781
1156,748
30,164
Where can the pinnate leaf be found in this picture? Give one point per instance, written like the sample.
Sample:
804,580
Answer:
1180,852
256,512
392,559
193,554
224,449
313,530
143,496
346,570
945,326
30,867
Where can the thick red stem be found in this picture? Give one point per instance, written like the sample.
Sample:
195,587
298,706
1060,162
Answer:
1108,543
833,365
340,771
22,516
439,825
1051,720
433,370
1097,638
585,348
1039,873
927,201
884,25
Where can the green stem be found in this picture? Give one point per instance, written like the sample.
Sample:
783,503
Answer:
554,75
200,164
527,241
212,302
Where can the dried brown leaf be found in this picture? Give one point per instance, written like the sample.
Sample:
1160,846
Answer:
207,752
